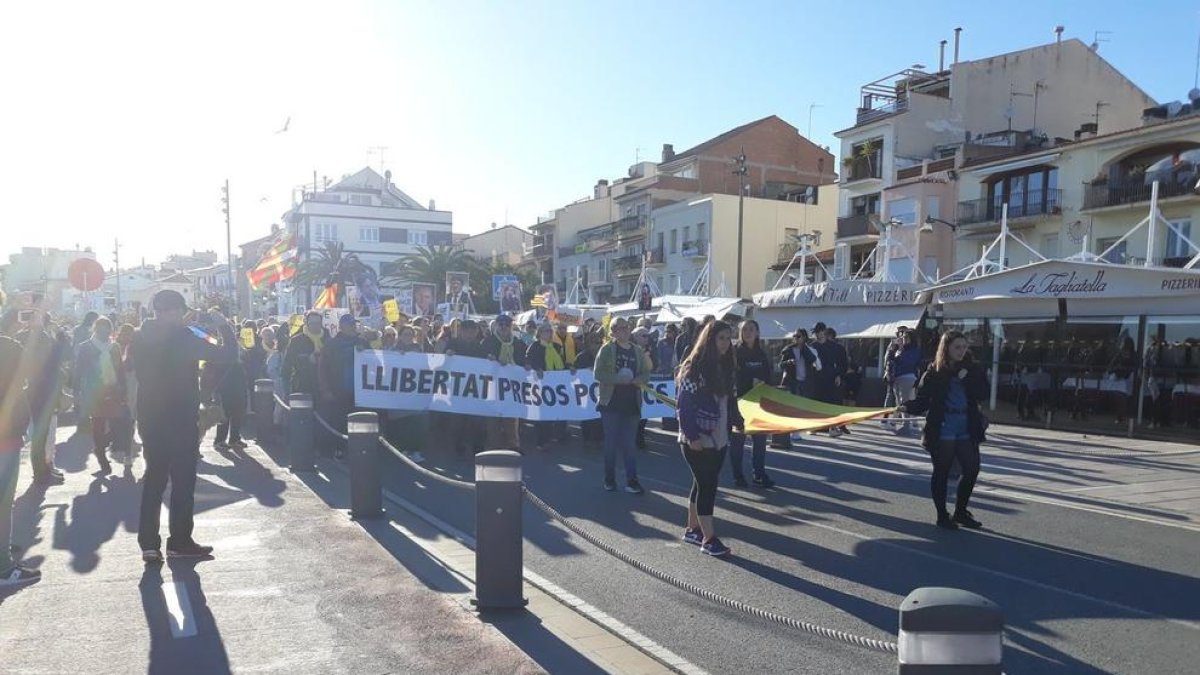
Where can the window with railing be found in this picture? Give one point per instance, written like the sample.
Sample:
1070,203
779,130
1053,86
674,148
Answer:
1030,192
864,205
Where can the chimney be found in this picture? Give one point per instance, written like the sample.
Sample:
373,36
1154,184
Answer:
601,189
668,153
941,56
1058,31
957,34
387,177
432,205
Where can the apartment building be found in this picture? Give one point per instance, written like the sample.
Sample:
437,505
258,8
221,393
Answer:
914,129
602,241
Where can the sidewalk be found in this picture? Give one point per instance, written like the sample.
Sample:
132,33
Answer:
294,587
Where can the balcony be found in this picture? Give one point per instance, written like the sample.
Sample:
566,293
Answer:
1136,190
540,250
655,257
631,227
863,168
856,226
628,265
880,111
694,249
1037,203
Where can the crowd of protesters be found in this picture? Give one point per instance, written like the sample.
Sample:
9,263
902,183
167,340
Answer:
146,380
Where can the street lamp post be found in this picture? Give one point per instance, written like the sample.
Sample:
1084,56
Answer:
740,171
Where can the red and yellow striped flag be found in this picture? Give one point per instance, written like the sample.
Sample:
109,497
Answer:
769,410
328,298
277,264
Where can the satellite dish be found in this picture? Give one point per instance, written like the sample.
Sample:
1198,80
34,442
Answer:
1077,230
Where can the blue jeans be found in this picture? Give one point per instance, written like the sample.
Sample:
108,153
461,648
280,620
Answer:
620,435
10,465
758,455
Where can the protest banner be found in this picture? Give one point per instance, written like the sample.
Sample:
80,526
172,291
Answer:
385,380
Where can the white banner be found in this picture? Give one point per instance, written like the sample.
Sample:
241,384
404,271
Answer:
461,384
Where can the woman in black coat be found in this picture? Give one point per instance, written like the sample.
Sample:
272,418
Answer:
950,395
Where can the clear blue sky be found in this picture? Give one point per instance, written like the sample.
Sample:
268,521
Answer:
125,121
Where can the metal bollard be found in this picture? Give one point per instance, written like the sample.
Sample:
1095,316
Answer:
946,630
498,536
264,409
366,490
300,433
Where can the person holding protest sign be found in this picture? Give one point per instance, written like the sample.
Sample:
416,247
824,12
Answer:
300,359
707,410
547,354
590,430
469,431
507,349
621,370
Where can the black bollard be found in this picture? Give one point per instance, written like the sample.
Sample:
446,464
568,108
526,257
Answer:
366,490
498,535
947,630
300,433
264,409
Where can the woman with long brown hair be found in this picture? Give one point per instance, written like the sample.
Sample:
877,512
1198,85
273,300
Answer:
707,410
949,395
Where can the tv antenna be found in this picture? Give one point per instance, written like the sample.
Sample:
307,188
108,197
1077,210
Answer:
1100,36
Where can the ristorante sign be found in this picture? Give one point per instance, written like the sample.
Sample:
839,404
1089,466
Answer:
1075,281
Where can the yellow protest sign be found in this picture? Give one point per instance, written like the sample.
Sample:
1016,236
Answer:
295,324
248,338
391,310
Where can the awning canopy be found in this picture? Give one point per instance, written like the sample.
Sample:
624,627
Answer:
886,329
777,323
1074,280
682,303
841,293
669,313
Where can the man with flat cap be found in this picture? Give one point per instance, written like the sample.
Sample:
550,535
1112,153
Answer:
166,353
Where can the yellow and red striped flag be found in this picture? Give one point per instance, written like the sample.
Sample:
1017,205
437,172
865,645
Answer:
328,298
277,264
766,409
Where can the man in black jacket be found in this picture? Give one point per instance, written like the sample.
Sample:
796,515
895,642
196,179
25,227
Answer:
165,354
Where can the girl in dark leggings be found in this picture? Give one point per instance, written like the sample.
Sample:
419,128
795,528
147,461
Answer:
950,394
707,410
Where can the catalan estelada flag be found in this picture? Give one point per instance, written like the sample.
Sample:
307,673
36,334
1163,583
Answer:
328,298
277,264
769,410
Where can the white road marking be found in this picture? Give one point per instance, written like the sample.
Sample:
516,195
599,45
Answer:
179,609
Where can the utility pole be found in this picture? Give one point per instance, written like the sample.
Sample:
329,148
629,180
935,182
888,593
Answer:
117,264
741,171
228,240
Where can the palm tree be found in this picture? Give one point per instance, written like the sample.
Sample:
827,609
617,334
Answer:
430,263
329,260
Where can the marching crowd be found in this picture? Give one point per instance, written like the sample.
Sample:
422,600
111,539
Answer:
184,369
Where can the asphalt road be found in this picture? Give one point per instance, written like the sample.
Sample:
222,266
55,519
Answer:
839,542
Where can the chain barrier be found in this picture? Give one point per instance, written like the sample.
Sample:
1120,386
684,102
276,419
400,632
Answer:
281,403
821,631
331,430
422,470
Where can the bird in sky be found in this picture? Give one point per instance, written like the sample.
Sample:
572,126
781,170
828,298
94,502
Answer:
285,125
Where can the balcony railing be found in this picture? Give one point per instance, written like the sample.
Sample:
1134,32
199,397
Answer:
855,226
1132,191
627,263
541,250
1036,203
862,168
870,114
655,257
694,249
